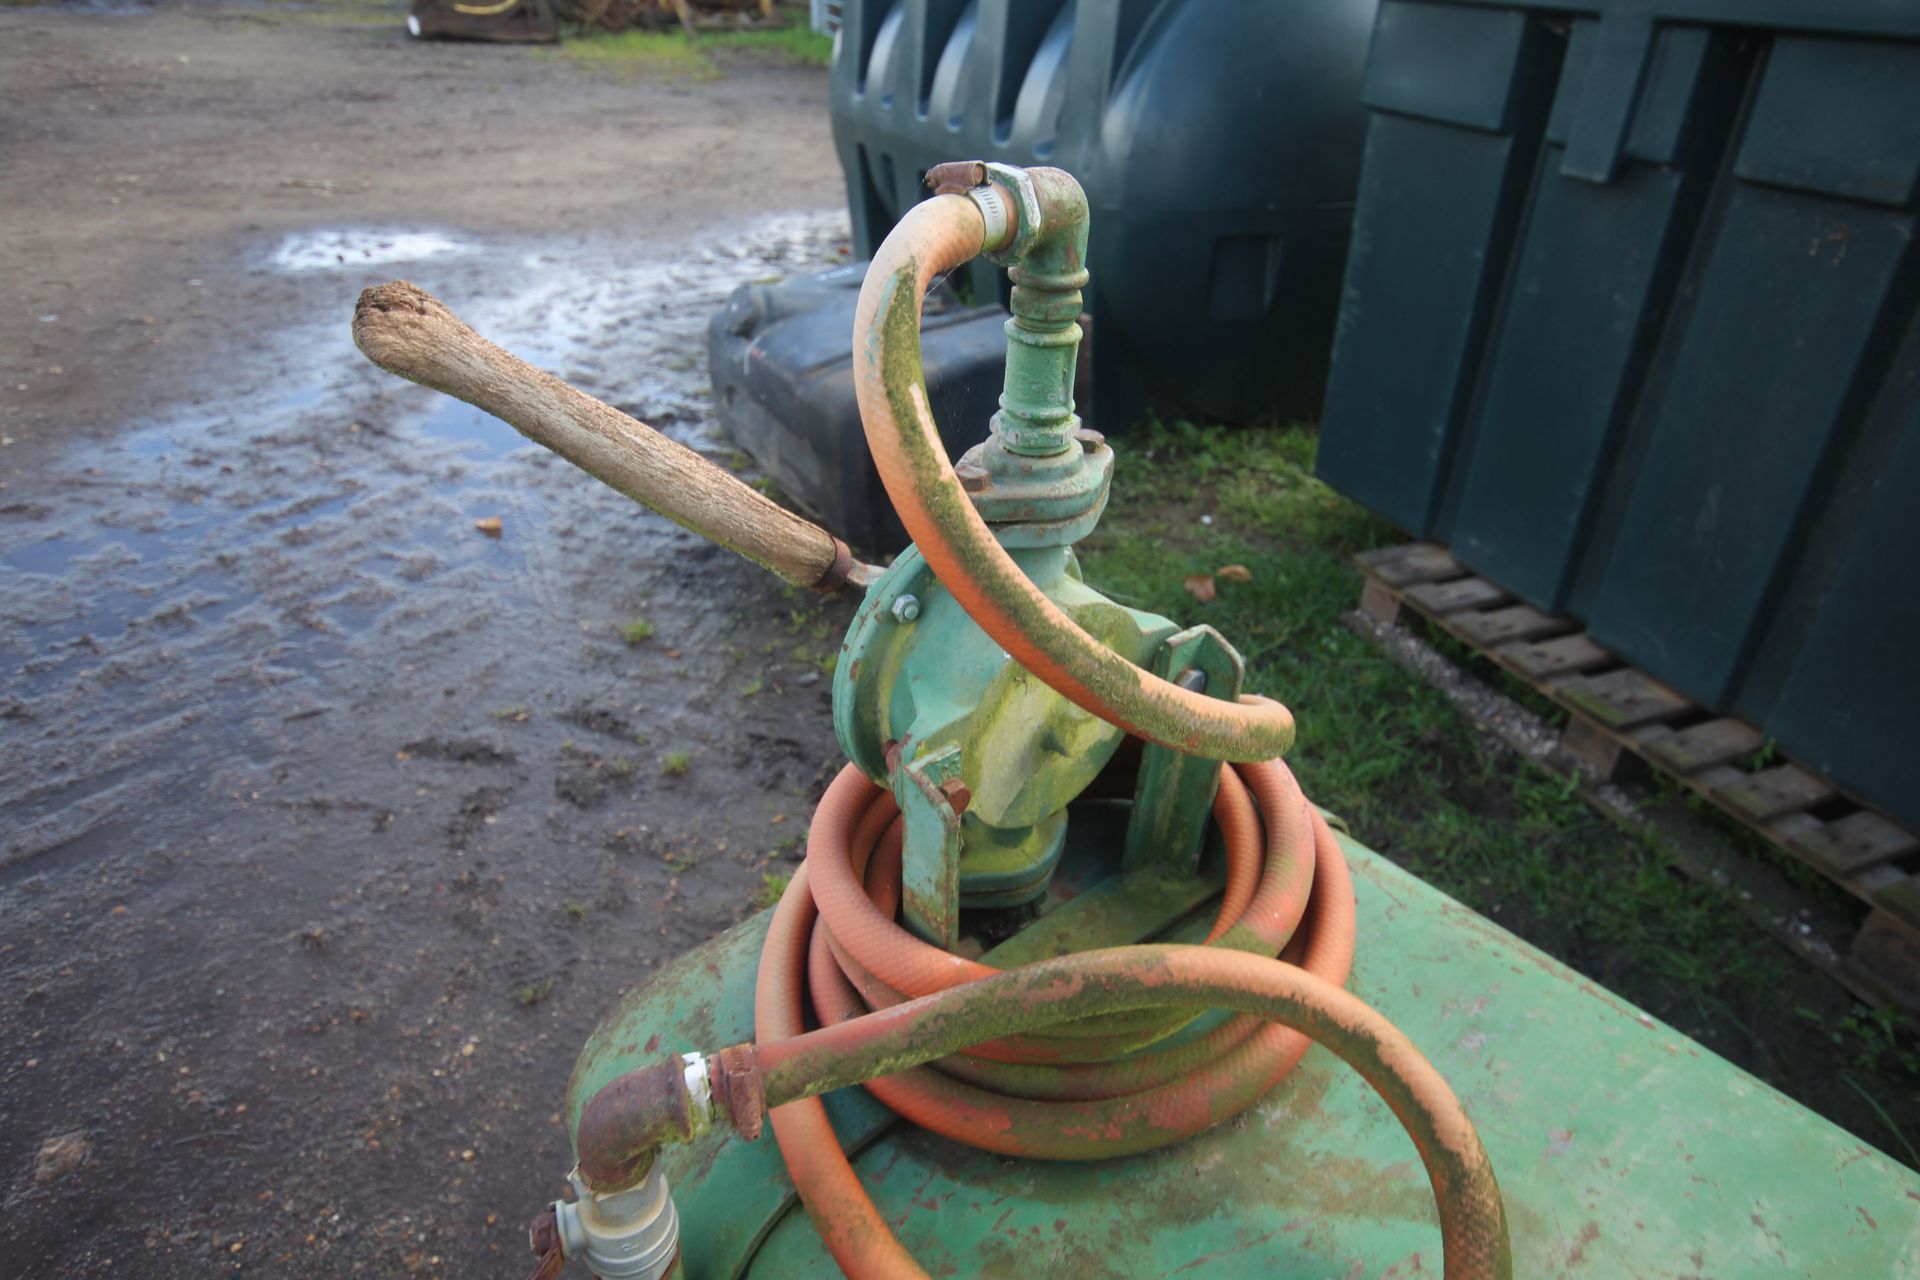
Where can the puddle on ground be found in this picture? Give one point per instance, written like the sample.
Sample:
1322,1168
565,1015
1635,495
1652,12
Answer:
336,250
172,599
323,813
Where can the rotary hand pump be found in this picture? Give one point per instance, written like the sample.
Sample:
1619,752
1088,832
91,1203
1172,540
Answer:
997,713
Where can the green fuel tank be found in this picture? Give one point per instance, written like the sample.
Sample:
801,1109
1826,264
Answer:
1623,1147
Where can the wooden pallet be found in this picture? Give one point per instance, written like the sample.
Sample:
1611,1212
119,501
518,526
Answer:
1615,712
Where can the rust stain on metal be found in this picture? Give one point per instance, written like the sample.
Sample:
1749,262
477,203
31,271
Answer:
543,1237
956,177
957,794
544,1231
738,1085
623,1124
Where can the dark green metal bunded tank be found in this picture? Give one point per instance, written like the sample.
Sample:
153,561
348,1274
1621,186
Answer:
1632,324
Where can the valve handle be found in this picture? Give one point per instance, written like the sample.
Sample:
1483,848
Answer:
407,331
543,1237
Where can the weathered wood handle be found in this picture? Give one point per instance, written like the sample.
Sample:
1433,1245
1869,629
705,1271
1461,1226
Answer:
406,330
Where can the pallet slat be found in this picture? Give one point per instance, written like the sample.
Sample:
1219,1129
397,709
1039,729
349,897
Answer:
1772,792
1901,899
1409,565
1704,745
1851,844
1622,699
1887,949
1443,598
1539,660
1516,622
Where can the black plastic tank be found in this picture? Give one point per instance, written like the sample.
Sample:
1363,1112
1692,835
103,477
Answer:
1219,145
782,364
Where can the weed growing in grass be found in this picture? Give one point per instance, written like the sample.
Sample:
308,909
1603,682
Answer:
772,885
532,993
675,763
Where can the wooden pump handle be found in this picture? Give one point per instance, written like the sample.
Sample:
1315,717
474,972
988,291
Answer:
407,331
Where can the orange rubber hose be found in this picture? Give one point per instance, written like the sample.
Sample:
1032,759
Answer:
1475,1241
852,1229
1288,886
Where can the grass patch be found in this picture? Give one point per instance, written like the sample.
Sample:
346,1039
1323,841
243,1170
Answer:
677,55
641,53
1391,755
638,631
675,763
796,43
772,885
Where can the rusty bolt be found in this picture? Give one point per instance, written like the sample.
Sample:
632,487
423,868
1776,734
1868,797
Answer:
973,477
956,177
543,1233
740,1089
958,797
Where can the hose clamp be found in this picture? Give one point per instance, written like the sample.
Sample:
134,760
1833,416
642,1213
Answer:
1011,182
998,217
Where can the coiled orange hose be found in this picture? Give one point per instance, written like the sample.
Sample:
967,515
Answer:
1070,1093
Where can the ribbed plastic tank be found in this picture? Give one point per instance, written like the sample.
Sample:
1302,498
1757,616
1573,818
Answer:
782,365
1219,145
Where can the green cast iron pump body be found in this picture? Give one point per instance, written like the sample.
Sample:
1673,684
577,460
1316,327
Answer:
981,755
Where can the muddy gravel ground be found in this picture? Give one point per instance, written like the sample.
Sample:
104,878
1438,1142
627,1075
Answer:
330,824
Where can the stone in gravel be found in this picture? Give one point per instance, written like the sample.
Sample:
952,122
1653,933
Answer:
60,1155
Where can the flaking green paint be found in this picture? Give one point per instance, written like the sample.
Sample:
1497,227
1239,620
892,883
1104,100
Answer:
1623,1148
